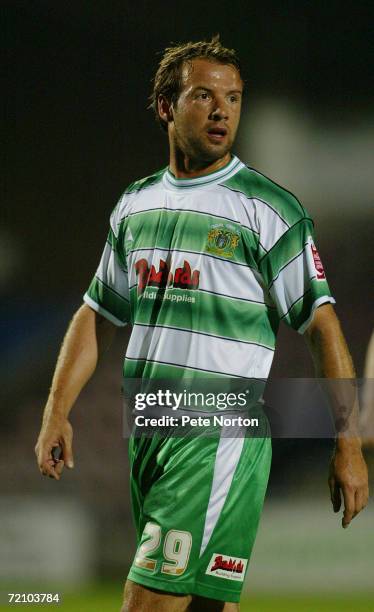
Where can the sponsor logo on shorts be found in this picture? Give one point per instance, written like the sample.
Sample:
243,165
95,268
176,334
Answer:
222,566
222,239
182,278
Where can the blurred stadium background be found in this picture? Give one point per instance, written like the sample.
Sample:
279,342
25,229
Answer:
77,132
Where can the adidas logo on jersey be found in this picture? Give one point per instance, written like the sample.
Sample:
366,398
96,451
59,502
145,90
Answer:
183,278
232,568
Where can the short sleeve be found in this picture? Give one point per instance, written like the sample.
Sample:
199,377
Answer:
108,293
294,276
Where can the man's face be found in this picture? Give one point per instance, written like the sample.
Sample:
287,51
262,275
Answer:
206,115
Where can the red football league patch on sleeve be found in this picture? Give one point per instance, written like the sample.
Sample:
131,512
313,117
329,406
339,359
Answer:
318,263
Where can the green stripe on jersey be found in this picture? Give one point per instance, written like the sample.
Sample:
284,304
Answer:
301,309
142,368
248,322
112,240
109,299
146,182
255,185
290,244
187,231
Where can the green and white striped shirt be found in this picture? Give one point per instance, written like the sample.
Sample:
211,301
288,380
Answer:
205,269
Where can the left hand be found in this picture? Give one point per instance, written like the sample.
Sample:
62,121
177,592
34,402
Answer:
348,477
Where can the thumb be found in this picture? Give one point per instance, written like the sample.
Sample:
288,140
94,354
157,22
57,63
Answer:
67,453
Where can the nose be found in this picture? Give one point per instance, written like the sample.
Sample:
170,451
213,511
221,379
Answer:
219,111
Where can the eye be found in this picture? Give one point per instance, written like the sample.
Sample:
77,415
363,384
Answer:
204,95
233,98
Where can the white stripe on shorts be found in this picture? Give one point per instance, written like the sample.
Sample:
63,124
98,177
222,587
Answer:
227,459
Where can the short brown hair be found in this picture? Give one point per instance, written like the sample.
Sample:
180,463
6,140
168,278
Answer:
167,81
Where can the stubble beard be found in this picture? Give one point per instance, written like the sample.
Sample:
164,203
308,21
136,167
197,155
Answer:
200,153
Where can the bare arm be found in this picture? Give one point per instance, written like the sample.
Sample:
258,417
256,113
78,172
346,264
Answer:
367,412
348,472
88,336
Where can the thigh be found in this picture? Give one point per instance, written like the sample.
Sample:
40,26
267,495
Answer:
138,598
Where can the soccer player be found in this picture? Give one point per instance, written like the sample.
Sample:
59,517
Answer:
204,259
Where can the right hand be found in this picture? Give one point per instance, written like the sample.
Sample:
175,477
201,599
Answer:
56,433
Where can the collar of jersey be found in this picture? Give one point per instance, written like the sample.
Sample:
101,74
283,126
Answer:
208,179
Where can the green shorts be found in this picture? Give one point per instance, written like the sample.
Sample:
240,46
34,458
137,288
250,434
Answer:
196,504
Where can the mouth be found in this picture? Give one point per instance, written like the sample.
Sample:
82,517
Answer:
217,134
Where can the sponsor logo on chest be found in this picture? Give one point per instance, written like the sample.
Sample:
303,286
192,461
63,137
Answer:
181,278
222,566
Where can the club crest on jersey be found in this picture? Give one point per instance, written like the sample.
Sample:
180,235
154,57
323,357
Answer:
222,240
232,568
182,278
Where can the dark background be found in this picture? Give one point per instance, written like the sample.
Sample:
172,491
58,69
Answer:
77,131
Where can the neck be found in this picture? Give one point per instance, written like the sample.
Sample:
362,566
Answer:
183,166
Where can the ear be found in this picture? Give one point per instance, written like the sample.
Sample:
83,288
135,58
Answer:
165,109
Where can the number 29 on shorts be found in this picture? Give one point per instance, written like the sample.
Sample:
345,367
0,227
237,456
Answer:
176,550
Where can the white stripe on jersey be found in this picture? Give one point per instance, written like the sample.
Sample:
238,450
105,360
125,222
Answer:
110,272
221,202
186,348
272,226
291,283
